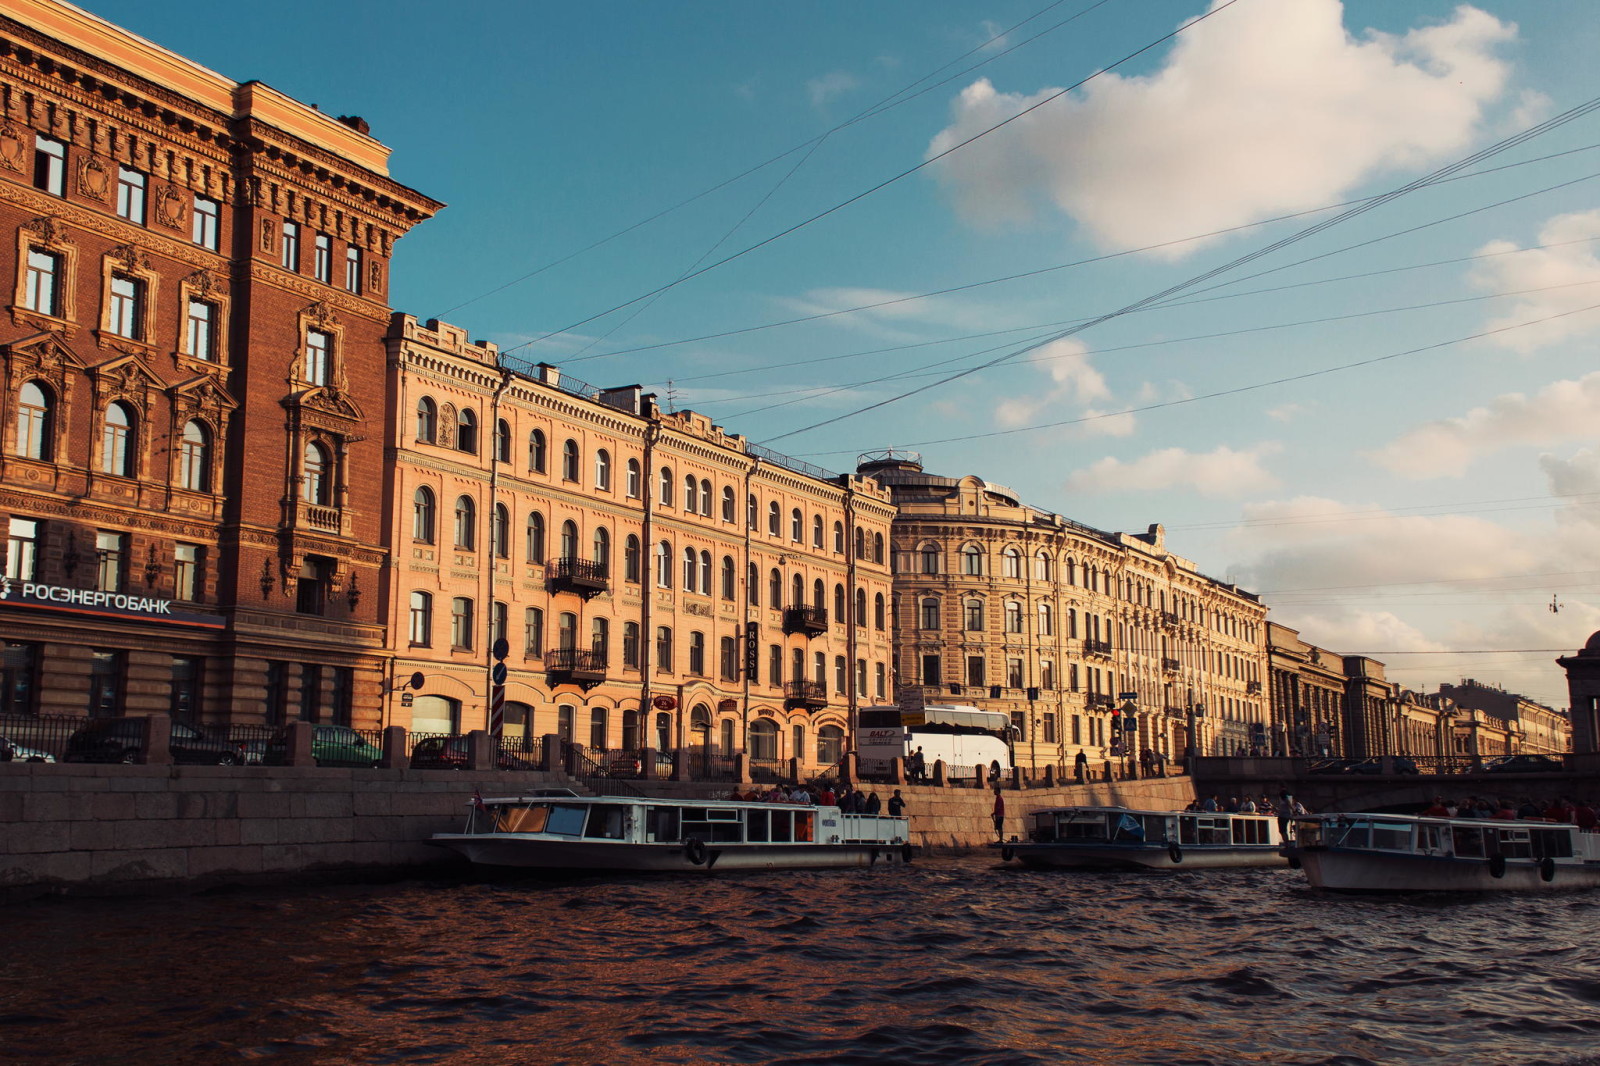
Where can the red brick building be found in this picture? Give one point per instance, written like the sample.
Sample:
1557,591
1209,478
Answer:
191,408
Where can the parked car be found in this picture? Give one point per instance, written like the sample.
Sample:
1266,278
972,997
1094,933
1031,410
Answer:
1400,764
1524,764
11,751
122,740
450,753
331,745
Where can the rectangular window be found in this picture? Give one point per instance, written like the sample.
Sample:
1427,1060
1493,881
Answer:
352,269
318,345
421,620
322,258
186,572
310,693
774,665
311,587
630,645
277,709
343,694
130,195
1077,729
975,670
291,246
199,338
110,550
730,658
1050,727
207,216
184,704
105,684
50,166
880,681
127,307
1013,673
1047,674
19,677
461,623
533,631
932,670
42,290
22,550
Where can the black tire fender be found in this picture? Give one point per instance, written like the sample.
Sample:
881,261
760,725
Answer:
872,857
906,852
1547,869
694,849
1294,862
1175,852
1007,854
1497,866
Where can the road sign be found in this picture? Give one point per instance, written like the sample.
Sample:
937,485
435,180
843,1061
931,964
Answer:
1127,695
501,649
497,673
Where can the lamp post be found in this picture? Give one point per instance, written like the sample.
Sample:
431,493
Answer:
1191,748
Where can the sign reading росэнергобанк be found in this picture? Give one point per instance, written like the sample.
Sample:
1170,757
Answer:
104,604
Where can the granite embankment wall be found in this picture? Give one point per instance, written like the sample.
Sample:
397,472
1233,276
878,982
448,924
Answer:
87,829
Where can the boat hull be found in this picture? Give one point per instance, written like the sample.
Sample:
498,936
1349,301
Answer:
1342,870
519,852
1147,857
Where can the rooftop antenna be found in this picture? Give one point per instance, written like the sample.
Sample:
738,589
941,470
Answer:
672,396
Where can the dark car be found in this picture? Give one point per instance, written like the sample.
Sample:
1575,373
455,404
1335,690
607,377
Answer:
1524,764
122,740
1400,764
331,745
450,753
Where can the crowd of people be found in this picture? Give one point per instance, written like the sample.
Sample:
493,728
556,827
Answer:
1284,805
849,800
1561,809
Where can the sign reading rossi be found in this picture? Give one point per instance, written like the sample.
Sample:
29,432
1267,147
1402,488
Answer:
93,601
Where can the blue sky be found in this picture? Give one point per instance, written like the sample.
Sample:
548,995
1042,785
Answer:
1427,480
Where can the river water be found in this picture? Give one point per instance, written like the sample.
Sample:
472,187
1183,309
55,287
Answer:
949,960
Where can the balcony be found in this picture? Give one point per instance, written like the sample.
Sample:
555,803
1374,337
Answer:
1097,647
811,621
585,668
1253,688
1170,618
583,576
1171,666
1101,699
812,695
1175,712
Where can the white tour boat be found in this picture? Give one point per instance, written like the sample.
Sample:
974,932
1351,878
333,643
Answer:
560,830
1120,838
1411,853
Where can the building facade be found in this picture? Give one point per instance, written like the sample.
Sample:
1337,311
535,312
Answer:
1070,630
1505,723
1307,696
191,352
657,581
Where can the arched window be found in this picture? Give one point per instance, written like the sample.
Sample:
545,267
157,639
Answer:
838,604
427,421
930,558
772,518
467,431
317,484
115,456
630,644
972,611
728,583
878,620
1072,571
928,613
194,459
1011,563
798,584
631,561
861,607
764,740
635,480
535,537
422,515
466,513
536,451
752,512
861,544
602,470
752,583
569,540
838,538
664,565
569,460
830,745
602,551
775,590
1047,620
705,573
877,548
666,487
35,423
727,503
819,595
567,631
1013,620
1041,566
972,561
502,441
664,649
691,494
705,499
690,563
796,525
421,619
816,531
697,654
500,532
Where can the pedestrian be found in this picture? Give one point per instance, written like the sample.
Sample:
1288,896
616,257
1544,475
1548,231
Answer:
827,798
897,805
1081,765
919,766
999,815
873,805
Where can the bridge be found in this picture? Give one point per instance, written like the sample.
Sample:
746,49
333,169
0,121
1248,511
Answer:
1398,792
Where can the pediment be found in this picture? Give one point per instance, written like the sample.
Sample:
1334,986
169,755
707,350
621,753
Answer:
328,400
126,373
46,350
203,393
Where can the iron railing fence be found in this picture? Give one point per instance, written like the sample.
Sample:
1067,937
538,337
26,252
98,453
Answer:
46,734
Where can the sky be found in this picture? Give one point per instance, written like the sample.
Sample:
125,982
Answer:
1315,285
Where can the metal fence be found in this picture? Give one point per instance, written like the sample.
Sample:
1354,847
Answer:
31,738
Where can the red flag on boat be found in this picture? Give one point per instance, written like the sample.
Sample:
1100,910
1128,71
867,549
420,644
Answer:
477,800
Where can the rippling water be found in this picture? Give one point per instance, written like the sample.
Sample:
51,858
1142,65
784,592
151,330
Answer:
945,961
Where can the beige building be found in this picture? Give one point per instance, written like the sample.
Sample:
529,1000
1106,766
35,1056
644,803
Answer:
1010,608
658,582
1497,722
1307,695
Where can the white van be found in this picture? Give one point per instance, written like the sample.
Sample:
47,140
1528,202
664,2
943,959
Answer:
969,741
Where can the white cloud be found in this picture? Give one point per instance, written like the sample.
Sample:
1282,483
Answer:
1286,413
1567,267
1561,411
1258,111
826,88
1222,472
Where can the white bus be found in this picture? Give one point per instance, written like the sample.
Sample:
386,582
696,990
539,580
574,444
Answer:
971,742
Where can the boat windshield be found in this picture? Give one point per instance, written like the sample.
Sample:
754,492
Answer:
559,818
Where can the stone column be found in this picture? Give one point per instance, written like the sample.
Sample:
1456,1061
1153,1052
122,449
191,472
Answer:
480,751
299,744
394,749
156,740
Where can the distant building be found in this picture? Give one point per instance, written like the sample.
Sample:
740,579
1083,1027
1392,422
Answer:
1504,723
1011,608
1307,695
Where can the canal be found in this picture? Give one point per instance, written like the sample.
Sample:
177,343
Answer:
949,960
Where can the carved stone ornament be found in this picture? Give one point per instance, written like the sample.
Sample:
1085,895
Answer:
252,191
130,256
268,234
205,283
320,314
48,229
375,276
11,148
172,209
94,180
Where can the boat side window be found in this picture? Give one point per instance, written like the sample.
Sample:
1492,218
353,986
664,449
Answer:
1352,835
1081,827
525,819
1514,844
1249,831
1468,841
782,827
755,826
716,825
661,824
1552,843
1186,830
1392,836
1155,827
567,821
1430,839
802,826
1212,831
605,822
